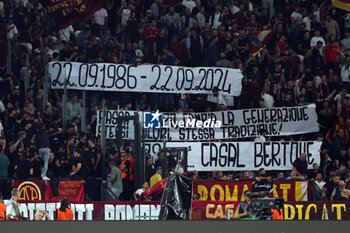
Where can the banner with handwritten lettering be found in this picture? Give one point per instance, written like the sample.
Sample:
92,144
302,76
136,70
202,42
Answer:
201,210
73,190
66,12
242,123
233,190
216,210
248,156
144,78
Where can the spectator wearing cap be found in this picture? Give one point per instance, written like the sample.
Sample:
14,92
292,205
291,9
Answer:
243,207
156,177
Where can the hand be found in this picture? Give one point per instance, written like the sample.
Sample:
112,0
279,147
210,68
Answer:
71,174
46,213
104,181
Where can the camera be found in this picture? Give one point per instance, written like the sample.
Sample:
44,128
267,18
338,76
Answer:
260,207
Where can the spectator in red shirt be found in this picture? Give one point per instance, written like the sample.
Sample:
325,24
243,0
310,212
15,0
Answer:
330,54
151,33
254,25
241,17
177,47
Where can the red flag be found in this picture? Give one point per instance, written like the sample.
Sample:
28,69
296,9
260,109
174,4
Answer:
66,12
73,190
156,189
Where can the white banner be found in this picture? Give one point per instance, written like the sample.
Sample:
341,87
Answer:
238,123
247,156
95,211
145,78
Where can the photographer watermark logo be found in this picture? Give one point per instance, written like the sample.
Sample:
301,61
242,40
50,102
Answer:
29,191
156,120
152,120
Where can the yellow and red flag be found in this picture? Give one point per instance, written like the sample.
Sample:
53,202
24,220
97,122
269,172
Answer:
258,40
156,189
342,4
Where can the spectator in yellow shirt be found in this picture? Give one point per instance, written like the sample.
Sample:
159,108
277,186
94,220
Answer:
156,177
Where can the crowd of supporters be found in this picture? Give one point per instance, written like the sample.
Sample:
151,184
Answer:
306,61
